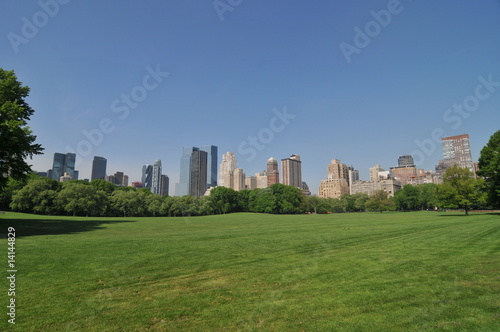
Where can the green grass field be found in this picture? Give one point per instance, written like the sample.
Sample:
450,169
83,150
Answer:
249,272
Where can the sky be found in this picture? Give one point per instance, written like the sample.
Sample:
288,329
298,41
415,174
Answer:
363,82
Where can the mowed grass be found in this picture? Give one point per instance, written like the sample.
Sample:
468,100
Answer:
253,272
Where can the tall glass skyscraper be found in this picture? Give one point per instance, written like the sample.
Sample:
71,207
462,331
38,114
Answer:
212,164
64,163
187,177
156,179
198,178
147,176
99,168
182,188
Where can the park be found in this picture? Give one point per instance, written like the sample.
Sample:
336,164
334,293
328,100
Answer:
393,271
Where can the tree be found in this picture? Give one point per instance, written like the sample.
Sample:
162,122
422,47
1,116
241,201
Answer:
81,199
34,196
460,189
11,187
428,197
289,199
313,202
489,168
224,200
126,202
380,202
154,203
408,198
360,200
17,139
105,186
262,201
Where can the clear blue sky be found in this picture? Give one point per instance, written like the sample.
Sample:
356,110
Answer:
225,77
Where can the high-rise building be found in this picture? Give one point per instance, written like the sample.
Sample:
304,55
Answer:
291,171
273,174
261,179
337,182
228,164
374,176
147,176
212,160
251,182
198,174
156,178
406,160
182,188
353,175
238,179
456,151
119,178
165,182
64,163
98,168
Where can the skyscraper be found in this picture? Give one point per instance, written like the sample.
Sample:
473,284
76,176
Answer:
198,174
238,179
156,178
228,165
64,163
337,182
212,160
273,174
147,176
165,181
186,183
456,151
291,171
98,168
182,188
406,160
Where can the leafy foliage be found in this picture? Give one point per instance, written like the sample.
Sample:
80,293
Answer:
461,190
17,139
380,202
489,168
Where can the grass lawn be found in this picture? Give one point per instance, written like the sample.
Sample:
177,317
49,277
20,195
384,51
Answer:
421,271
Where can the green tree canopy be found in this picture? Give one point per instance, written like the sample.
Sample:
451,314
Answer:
408,198
82,199
380,202
17,139
460,189
489,168
37,196
224,200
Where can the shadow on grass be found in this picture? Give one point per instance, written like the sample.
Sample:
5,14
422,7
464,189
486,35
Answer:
472,213
48,226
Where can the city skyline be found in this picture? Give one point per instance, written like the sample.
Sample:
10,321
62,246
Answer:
269,79
341,178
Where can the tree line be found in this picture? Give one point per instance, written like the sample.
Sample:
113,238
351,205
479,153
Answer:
103,199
